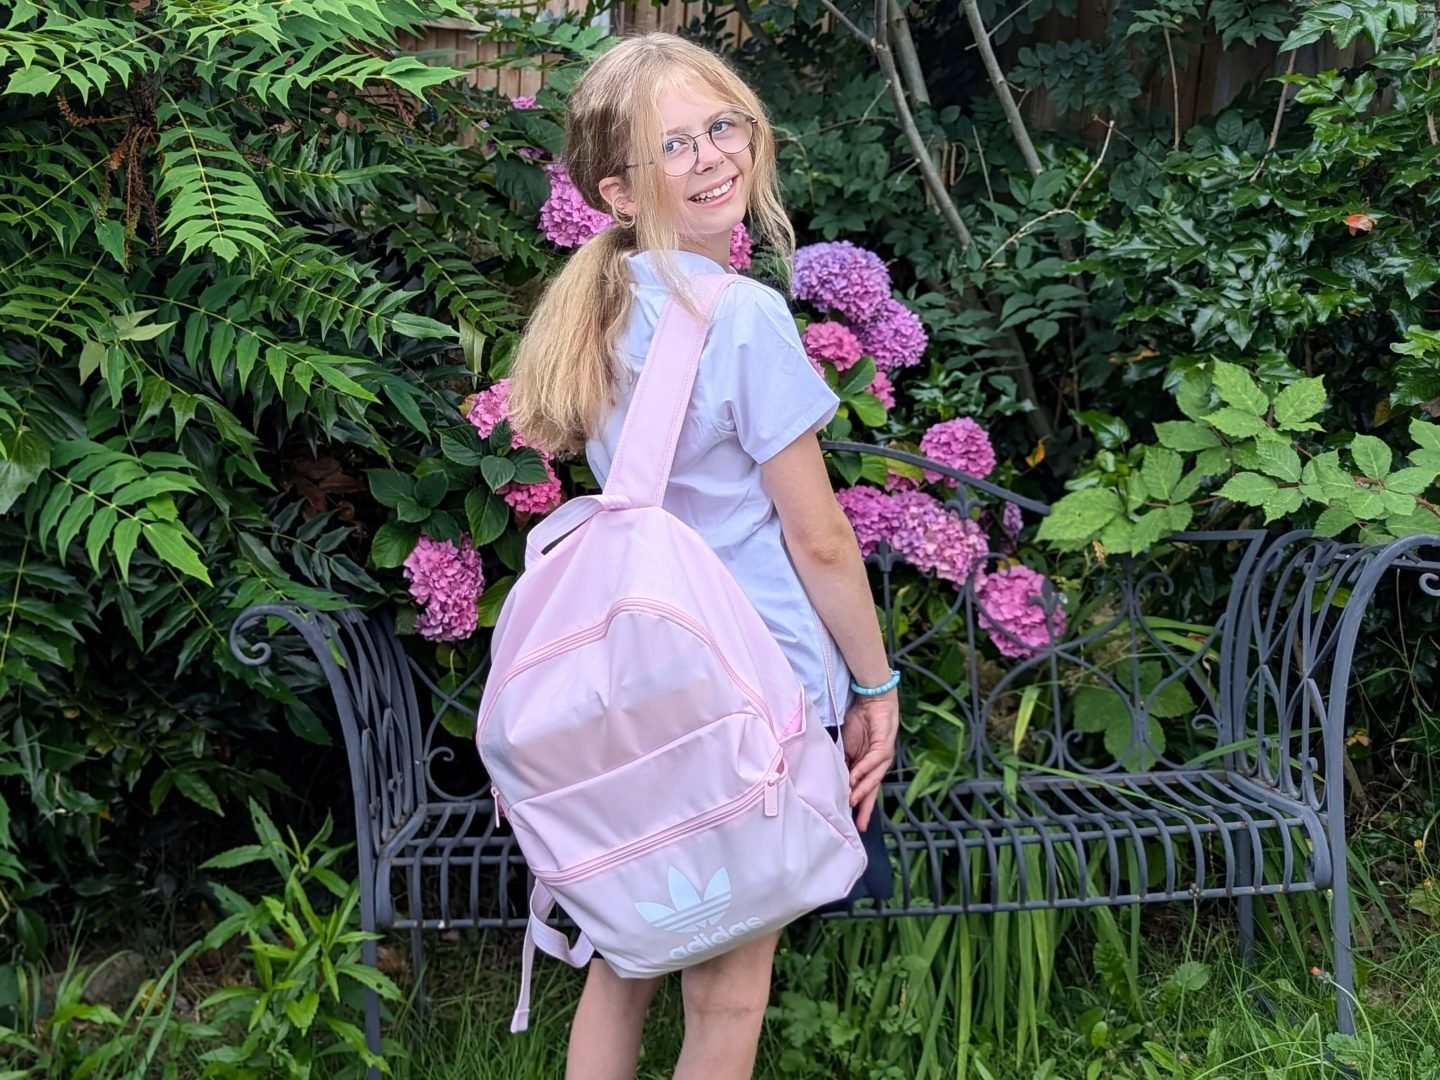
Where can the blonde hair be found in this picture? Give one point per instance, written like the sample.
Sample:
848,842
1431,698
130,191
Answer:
563,378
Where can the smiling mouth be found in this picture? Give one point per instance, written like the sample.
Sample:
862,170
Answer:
715,192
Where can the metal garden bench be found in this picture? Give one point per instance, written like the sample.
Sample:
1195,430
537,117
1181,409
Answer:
1150,754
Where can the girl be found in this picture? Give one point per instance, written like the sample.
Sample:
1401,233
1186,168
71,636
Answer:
662,135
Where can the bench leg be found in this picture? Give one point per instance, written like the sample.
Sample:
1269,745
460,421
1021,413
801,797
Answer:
1344,959
1245,898
417,969
370,955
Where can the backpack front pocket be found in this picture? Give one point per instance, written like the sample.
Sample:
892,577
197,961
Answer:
710,770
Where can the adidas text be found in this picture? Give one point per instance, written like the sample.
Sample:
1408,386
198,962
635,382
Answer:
703,942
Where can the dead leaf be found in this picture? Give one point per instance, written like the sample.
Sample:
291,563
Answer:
1036,456
1382,412
139,5
1359,223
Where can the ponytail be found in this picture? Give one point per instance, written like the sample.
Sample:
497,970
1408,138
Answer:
563,377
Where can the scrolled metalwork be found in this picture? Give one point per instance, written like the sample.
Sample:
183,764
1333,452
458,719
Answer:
1138,756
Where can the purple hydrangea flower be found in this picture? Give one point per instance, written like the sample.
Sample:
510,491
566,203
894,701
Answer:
566,218
446,581
936,540
839,276
920,529
741,247
523,101
1012,612
961,444
872,513
831,341
893,336
1011,520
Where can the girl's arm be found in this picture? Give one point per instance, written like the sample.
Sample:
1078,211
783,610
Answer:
827,557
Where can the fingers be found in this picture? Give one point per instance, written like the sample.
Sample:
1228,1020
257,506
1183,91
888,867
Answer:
865,809
877,759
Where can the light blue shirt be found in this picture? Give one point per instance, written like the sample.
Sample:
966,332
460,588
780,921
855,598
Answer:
755,394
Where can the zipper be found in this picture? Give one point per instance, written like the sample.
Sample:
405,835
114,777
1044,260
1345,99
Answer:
829,671
766,792
600,629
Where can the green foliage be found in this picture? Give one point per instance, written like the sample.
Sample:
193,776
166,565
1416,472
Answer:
247,254
302,1005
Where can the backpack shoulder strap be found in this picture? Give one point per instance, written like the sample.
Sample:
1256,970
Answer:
646,451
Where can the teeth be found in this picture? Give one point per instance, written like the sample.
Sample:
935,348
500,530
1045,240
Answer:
723,189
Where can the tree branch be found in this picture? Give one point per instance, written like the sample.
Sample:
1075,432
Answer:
1002,88
905,50
1007,101
881,48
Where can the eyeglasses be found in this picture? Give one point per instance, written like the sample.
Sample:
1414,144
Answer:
679,154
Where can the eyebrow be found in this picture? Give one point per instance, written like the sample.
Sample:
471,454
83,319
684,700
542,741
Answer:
713,117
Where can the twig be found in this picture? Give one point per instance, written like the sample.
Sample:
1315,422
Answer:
1430,79
1280,114
1174,84
758,32
1059,211
996,28
984,166
845,20
905,50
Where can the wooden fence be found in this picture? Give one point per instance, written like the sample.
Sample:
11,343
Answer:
1210,76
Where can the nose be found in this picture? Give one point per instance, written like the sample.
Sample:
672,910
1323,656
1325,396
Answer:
707,155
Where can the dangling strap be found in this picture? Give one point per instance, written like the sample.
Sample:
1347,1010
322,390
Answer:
539,934
641,467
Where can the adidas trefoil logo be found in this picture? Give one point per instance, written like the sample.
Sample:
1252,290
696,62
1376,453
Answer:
693,913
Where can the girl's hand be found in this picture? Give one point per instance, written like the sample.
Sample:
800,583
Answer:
871,727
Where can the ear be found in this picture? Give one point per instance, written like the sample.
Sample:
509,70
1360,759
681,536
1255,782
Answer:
616,194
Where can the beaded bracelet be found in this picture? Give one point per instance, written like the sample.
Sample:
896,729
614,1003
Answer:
873,691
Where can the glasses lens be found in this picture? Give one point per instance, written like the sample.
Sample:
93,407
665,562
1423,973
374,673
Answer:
677,155
732,133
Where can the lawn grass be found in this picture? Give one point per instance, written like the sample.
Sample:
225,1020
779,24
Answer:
1226,1022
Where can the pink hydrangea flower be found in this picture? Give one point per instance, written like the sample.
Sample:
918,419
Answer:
446,581
523,101
566,218
883,389
894,336
1012,611
841,277
961,444
833,342
741,247
538,498
487,408
937,540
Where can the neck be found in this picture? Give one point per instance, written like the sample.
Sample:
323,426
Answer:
716,247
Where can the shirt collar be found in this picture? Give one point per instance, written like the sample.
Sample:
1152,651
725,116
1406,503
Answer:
645,272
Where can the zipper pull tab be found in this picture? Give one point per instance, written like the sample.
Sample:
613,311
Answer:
772,796
497,814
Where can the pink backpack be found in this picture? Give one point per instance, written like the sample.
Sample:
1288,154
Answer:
656,756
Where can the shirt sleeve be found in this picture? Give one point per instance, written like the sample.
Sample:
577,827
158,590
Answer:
769,393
